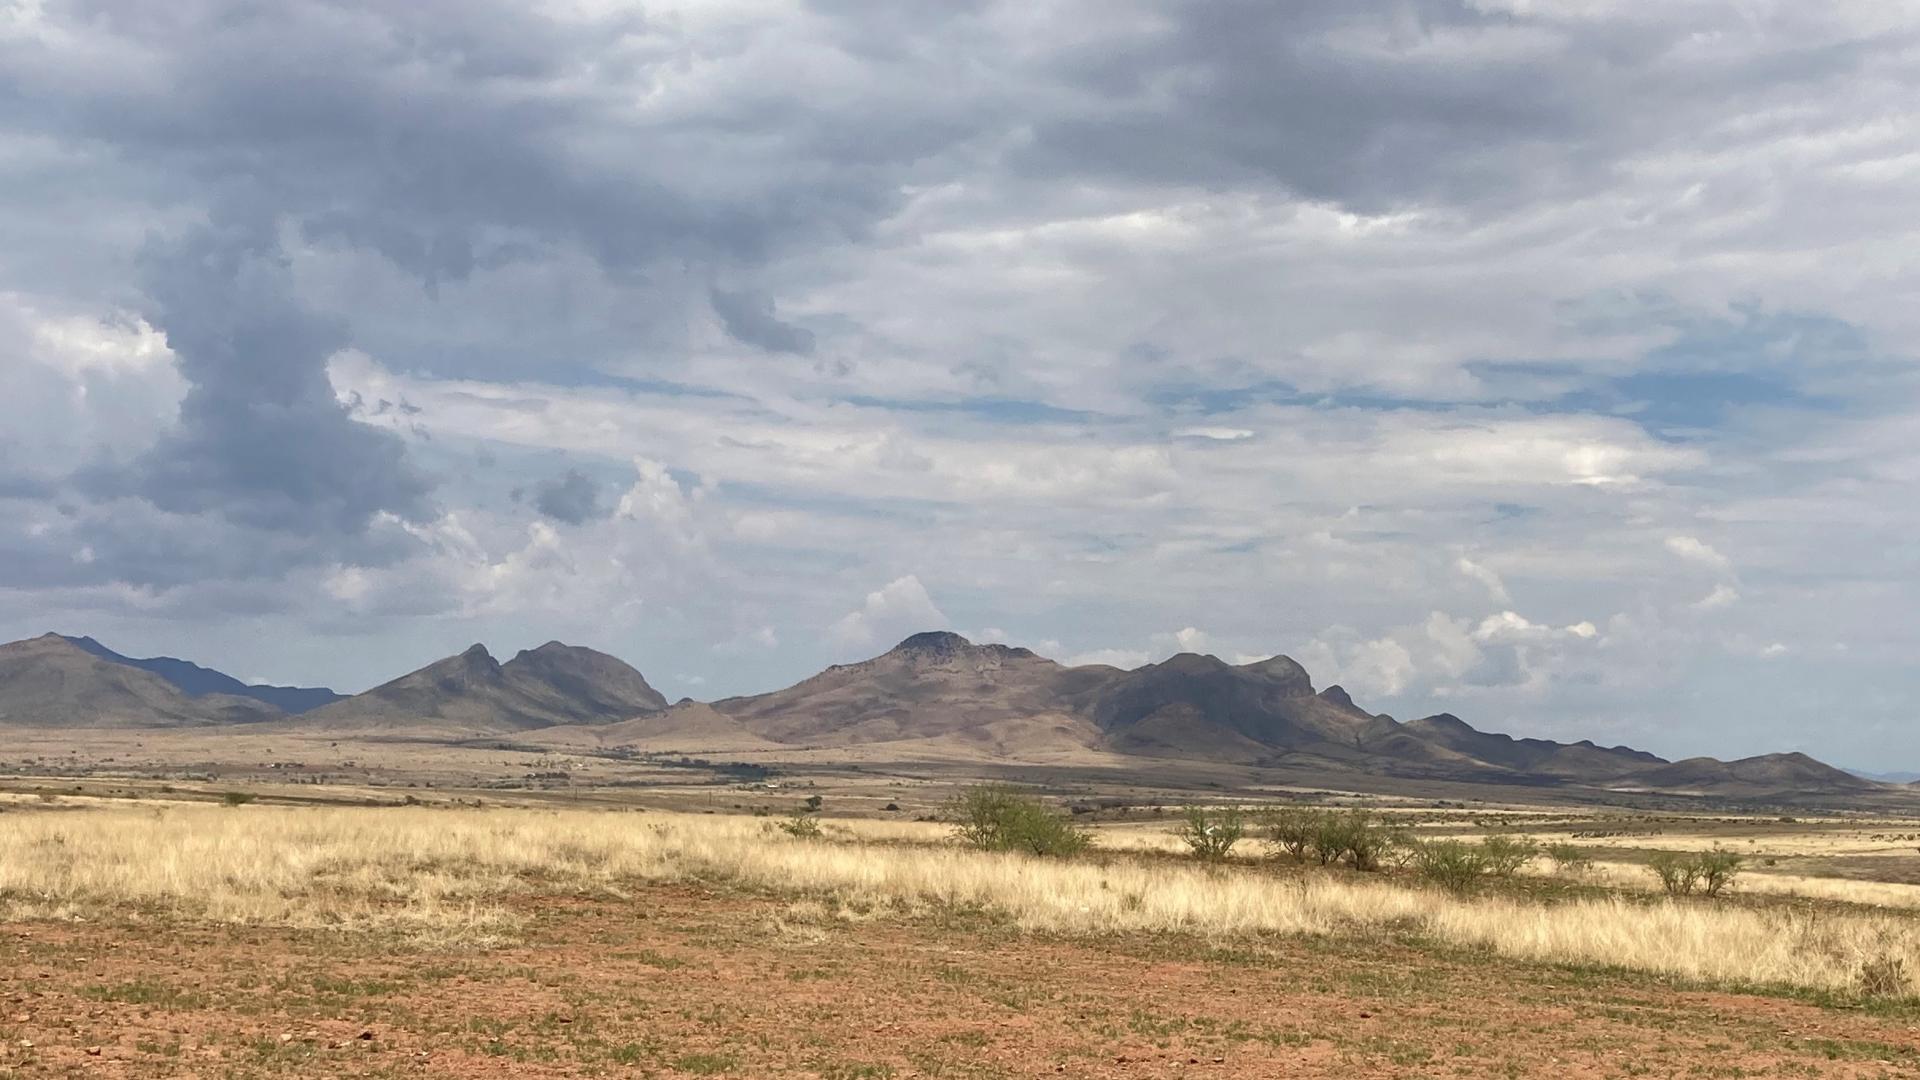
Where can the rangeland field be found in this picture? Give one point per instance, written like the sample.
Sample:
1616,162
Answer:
194,928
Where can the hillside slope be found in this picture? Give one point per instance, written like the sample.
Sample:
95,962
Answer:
52,682
472,693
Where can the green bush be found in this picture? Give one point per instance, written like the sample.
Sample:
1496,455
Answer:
236,798
1356,837
1329,839
1717,870
1505,856
996,817
801,826
1290,830
1211,834
1708,872
1679,874
1570,858
1454,865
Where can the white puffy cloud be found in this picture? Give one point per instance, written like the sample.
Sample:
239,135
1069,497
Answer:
896,610
1692,549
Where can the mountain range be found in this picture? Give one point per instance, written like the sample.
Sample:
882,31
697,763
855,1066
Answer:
934,695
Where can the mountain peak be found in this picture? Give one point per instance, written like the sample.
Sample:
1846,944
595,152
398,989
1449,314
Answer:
941,641
1337,695
1284,670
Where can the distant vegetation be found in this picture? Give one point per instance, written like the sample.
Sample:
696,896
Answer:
997,817
1705,872
1211,834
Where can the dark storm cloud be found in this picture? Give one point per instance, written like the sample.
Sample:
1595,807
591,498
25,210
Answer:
445,137
1374,104
749,318
573,498
261,438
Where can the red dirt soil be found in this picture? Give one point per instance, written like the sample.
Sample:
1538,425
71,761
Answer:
679,981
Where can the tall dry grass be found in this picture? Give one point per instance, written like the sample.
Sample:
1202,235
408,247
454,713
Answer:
446,873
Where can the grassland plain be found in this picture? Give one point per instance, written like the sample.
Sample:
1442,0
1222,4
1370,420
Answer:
417,924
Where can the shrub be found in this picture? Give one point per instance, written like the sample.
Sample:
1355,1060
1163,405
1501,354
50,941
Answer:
995,817
1708,872
1452,864
1290,830
1329,838
1369,841
1679,874
1211,835
1355,836
1570,858
1505,856
1717,870
801,826
236,798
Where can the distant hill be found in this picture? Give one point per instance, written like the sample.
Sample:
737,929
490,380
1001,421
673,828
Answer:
1771,772
473,693
935,696
929,685
51,681
196,681
940,688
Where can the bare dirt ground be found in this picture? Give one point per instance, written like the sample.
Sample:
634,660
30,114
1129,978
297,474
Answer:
680,981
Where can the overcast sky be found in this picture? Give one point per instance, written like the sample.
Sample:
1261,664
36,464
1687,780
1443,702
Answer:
1550,362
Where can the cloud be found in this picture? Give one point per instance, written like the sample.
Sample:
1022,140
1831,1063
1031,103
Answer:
1126,659
1721,596
261,439
749,317
1496,589
573,498
1356,327
1693,550
896,610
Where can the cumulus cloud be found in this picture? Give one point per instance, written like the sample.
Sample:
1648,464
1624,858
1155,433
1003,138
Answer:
894,611
1693,550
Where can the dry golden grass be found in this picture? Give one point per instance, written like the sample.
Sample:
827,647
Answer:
443,873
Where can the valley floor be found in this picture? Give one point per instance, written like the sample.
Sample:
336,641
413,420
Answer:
678,980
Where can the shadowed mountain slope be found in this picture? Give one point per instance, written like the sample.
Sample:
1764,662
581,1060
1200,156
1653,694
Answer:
934,696
195,681
1771,772
473,693
929,685
50,681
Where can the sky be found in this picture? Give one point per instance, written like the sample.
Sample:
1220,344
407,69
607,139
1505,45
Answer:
1548,362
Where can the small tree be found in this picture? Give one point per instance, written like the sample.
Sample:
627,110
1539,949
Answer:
1454,865
1570,859
1506,856
1369,841
1211,835
1679,874
995,817
801,826
1331,832
1717,870
1290,830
